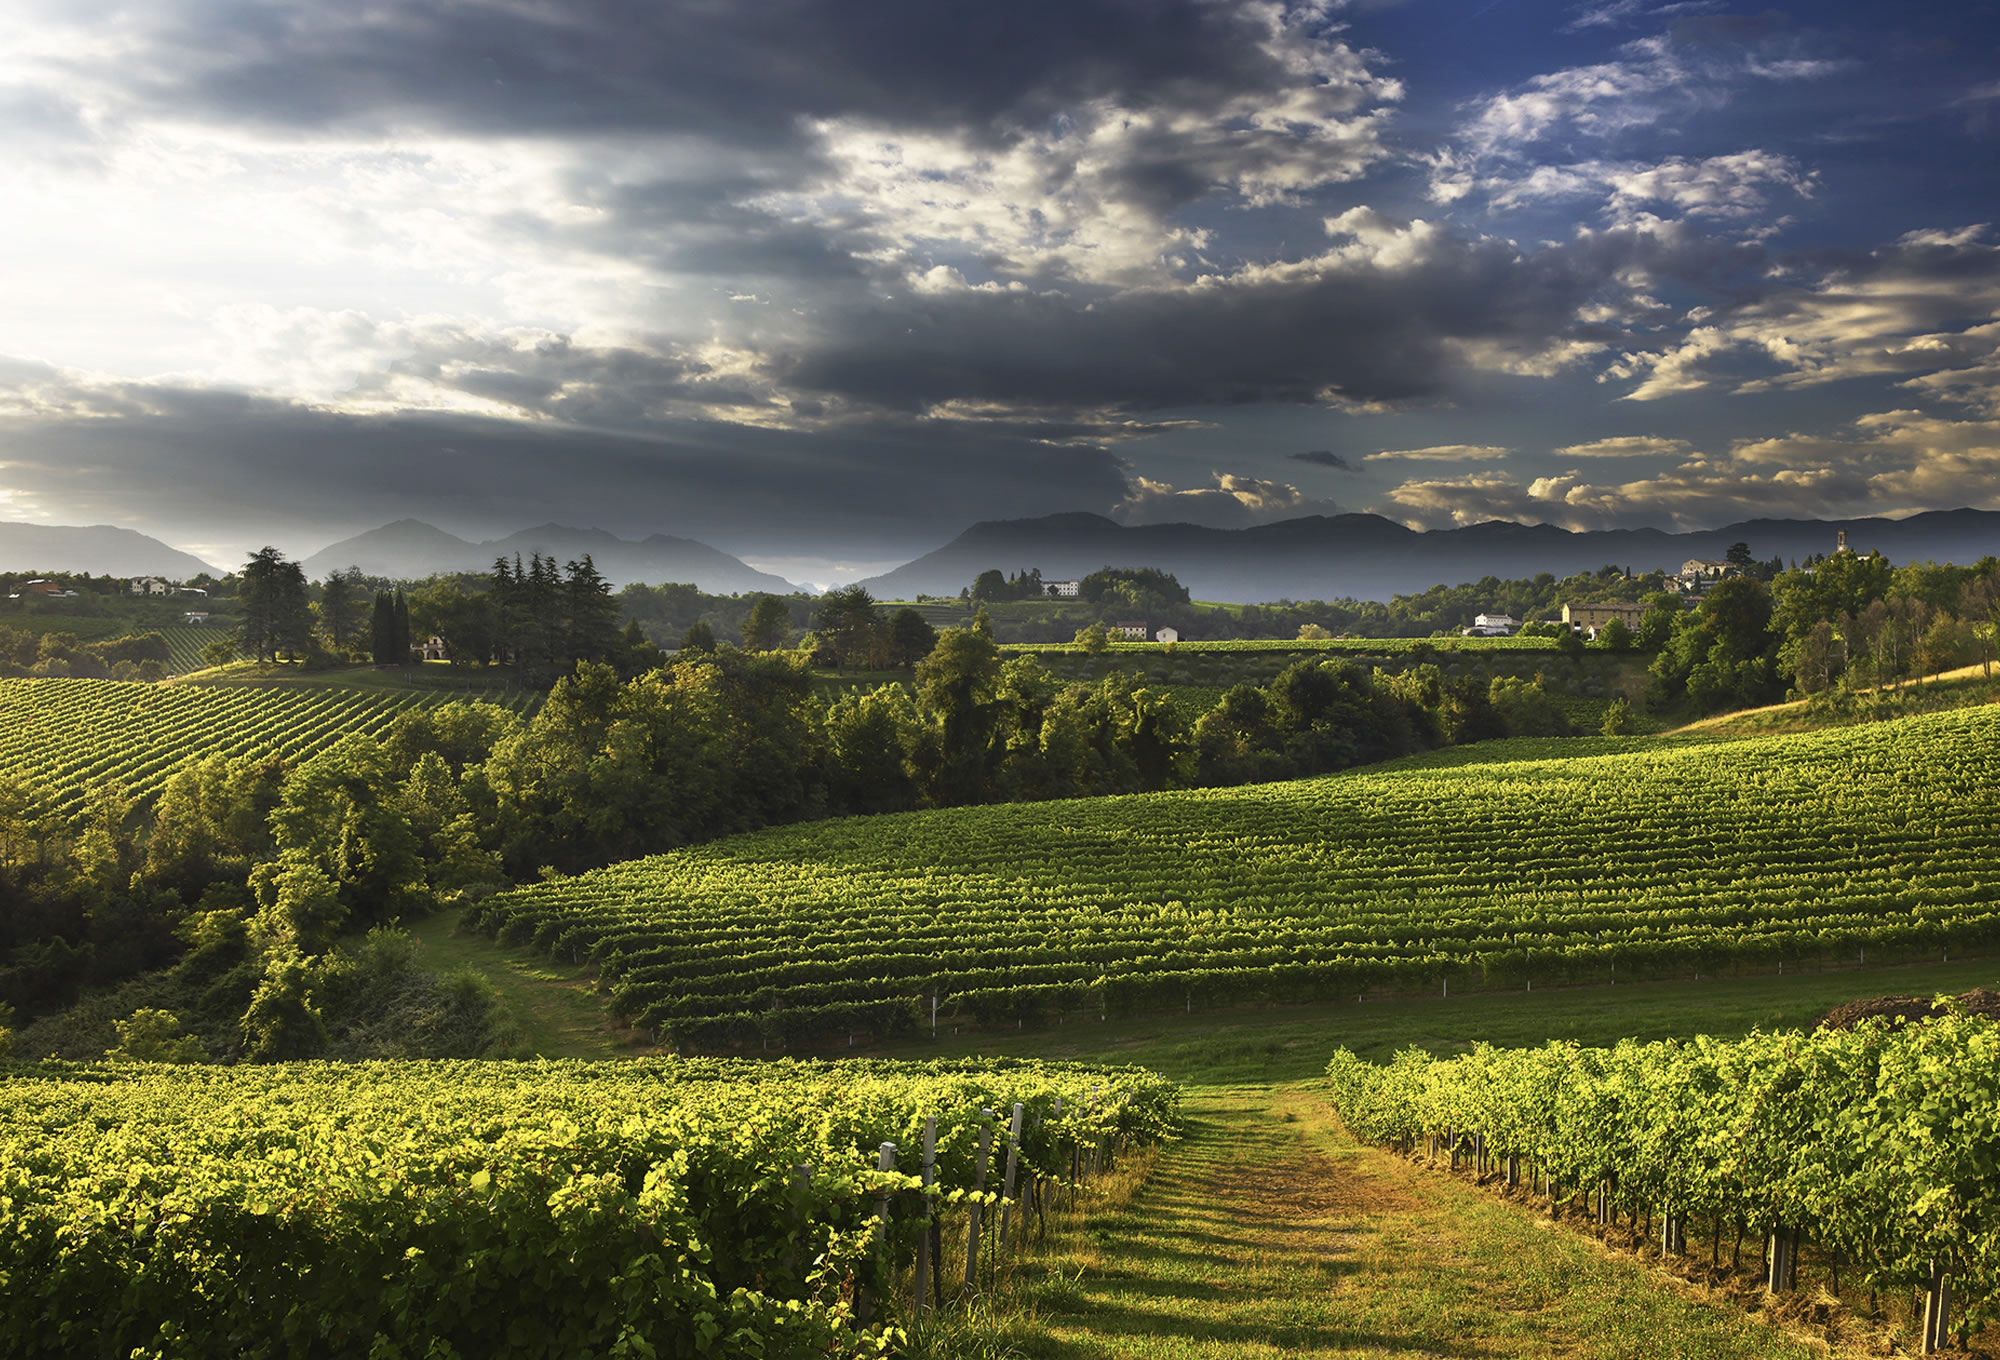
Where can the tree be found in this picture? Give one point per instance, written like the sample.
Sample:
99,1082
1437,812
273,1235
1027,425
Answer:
382,629
593,614
272,600
1093,639
1615,636
340,606
1617,718
1738,556
769,624
700,638
911,637
990,585
218,653
155,1036
401,636
849,626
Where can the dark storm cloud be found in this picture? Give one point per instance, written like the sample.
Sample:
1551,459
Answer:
1325,458
1371,332
182,457
742,73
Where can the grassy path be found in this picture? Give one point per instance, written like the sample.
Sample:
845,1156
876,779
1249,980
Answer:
554,1011
1268,1232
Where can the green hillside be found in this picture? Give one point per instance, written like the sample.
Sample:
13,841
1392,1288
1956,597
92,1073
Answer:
1508,866
64,737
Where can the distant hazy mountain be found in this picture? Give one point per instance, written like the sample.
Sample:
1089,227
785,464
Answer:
99,549
410,549
1368,557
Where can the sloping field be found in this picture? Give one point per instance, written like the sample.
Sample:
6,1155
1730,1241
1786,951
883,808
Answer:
1648,858
63,737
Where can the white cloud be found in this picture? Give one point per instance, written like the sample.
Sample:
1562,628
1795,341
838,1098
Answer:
1884,315
1885,463
1231,502
1442,453
1626,446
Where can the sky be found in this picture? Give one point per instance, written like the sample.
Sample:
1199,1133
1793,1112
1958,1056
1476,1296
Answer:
822,282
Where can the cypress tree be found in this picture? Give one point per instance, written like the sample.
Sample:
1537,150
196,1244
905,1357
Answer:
402,629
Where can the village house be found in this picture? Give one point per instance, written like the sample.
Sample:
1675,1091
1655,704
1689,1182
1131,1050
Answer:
431,648
1062,590
1167,635
1492,625
1128,632
1591,617
149,585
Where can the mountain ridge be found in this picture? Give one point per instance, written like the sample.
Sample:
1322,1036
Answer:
1363,556
100,549
409,549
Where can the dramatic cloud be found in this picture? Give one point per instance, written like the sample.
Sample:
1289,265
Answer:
1902,309
1231,503
813,278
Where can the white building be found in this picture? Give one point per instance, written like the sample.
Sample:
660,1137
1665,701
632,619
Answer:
150,585
1062,590
1492,625
1128,632
1167,635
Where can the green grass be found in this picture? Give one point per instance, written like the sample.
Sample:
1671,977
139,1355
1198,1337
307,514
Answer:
1268,1232
549,1011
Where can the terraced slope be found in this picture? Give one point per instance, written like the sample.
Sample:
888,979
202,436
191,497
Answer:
1646,858
63,737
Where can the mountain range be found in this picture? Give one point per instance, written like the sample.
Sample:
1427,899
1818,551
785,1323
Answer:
409,549
99,549
1320,557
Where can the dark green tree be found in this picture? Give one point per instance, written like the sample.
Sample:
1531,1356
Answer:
911,637
768,625
700,639
849,627
272,604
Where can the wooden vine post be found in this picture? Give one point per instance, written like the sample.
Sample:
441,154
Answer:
1937,1309
923,1281
864,1304
977,1218
1782,1259
1013,1168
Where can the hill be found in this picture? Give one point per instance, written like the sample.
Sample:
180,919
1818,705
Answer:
61,738
1368,557
1512,865
409,549
100,549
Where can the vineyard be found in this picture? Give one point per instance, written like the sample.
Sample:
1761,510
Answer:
64,737
184,646
1872,1149
1356,646
467,1209
1515,870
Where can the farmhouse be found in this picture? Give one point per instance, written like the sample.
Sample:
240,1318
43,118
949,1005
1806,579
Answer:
1492,625
149,585
39,587
1062,590
1128,632
1590,617
431,648
1167,635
